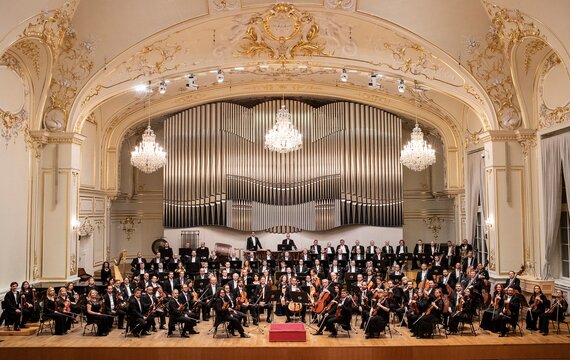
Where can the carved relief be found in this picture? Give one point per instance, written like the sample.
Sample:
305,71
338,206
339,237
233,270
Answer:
221,5
11,124
527,142
412,58
73,265
531,49
492,263
341,4
73,67
32,51
283,32
547,115
152,59
34,142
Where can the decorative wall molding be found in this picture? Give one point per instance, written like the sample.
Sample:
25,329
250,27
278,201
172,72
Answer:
548,116
282,33
527,140
341,4
12,124
224,5
531,49
32,51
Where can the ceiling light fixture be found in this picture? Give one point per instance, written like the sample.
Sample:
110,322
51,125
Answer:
417,154
401,86
344,75
283,137
191,82
148,156
162,87
374,81
220,77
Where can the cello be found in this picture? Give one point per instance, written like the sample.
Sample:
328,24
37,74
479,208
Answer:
319,306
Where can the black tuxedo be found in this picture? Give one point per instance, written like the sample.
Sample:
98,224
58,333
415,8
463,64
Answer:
168,287
417,249
515,284
299,269
289,242
371,249
400,247
453,278
346,250
429,276
315,249
253,244
135,316
387,249
362,250
468,262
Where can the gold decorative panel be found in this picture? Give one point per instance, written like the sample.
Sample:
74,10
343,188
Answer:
218,172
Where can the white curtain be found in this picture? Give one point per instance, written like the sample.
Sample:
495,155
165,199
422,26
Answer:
555,154
475,176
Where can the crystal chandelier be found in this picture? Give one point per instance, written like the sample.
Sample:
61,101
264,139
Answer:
148,156
283,137
417,154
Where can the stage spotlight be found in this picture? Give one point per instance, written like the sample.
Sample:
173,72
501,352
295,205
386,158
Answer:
374,81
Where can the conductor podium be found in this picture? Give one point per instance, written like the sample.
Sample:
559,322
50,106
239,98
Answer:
287,332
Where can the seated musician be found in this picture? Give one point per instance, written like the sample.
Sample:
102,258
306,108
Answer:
233,256
316,248
63,304
324,256
377,256
340,255
301,268
555,312
114,305
492,311
286,256
363,301
538,303
423,276
336,268
28,294
305,256
342,315
207,296
135,264
243,303
293,287
178,314
429,290
149,303
462,309
12,305
135,316
419,249
264,267
509,313
224,312
318,267
95,314
371,249
379,314
417,306
268,255
513,282
261,297
358,254
351,268
423,326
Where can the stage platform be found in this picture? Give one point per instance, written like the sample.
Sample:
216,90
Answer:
203,346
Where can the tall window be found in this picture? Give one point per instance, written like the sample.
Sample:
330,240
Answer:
565,233
480,240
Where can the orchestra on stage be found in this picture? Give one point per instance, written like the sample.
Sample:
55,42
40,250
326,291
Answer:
435,288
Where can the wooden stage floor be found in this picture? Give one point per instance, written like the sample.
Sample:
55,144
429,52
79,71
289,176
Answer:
203,346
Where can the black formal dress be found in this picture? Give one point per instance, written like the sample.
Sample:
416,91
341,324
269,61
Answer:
556,312
532,315
103,322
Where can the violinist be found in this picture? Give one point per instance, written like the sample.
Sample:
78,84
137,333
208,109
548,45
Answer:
555,312
492,311
462,308
127,289
149,304
292,288
136,317
510,312
114,305
207,295
379,314
95,314
223,313
73,298
423,326
161,306
51,310
13,308
416,308
29,309
233,306
262,296
538,304
169,283
178,314
242,301
363,301
189,298
342,315
63,304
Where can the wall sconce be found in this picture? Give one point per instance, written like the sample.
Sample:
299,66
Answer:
489,222
75,223
128,226
434,224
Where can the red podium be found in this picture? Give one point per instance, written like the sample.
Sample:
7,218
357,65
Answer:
287,332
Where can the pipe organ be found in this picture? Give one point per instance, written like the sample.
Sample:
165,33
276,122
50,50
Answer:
218,172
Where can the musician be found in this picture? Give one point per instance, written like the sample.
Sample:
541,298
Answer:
371,249
513,282
213,257
114,306
63,304
174,261
189,298
293,287
157,259
209,293
538,303
473,283
444,282
363,301
436,261
262,297
96,314
555,312
423,327
340,256
324,256
90,286
315,248
449,257
203,251
166,252
432,249
234,306
243,303
330,250
456,275
401,248
233,256
379,315
73,297
222,309
357,254
305,255
343,249
253,243
126,288
351,268
13,307
202,275
137,318
169,284
154,282
149,304
378,255
318,267
464,248
335,279
140,271
289,241
357,247
387,248
105,272
145,280
463,308
509,313
342,315
423,276
250,257
301,268
492,311
286,256
419,249
417,306
264,267
269,255
135,264
469,262
179,315
193,259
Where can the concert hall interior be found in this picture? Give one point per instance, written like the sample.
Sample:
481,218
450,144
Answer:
285,179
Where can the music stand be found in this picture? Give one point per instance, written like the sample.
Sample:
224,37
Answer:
396,278
172,266
283,247
349,279
314,256
423,258
278,275
185,252
214,265
201,283
274,296
254,265
437,270
299,297
193,268
235,264
271,264
389,259
361,264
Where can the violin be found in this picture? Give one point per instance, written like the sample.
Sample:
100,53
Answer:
243,298
537,301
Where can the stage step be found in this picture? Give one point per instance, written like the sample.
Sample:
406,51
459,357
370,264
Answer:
287,332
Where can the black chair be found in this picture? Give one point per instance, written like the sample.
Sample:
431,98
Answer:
223,323
45,321
438,326
556,325
469,322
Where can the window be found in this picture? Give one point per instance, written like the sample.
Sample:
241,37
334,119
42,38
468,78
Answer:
480,248
565,234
